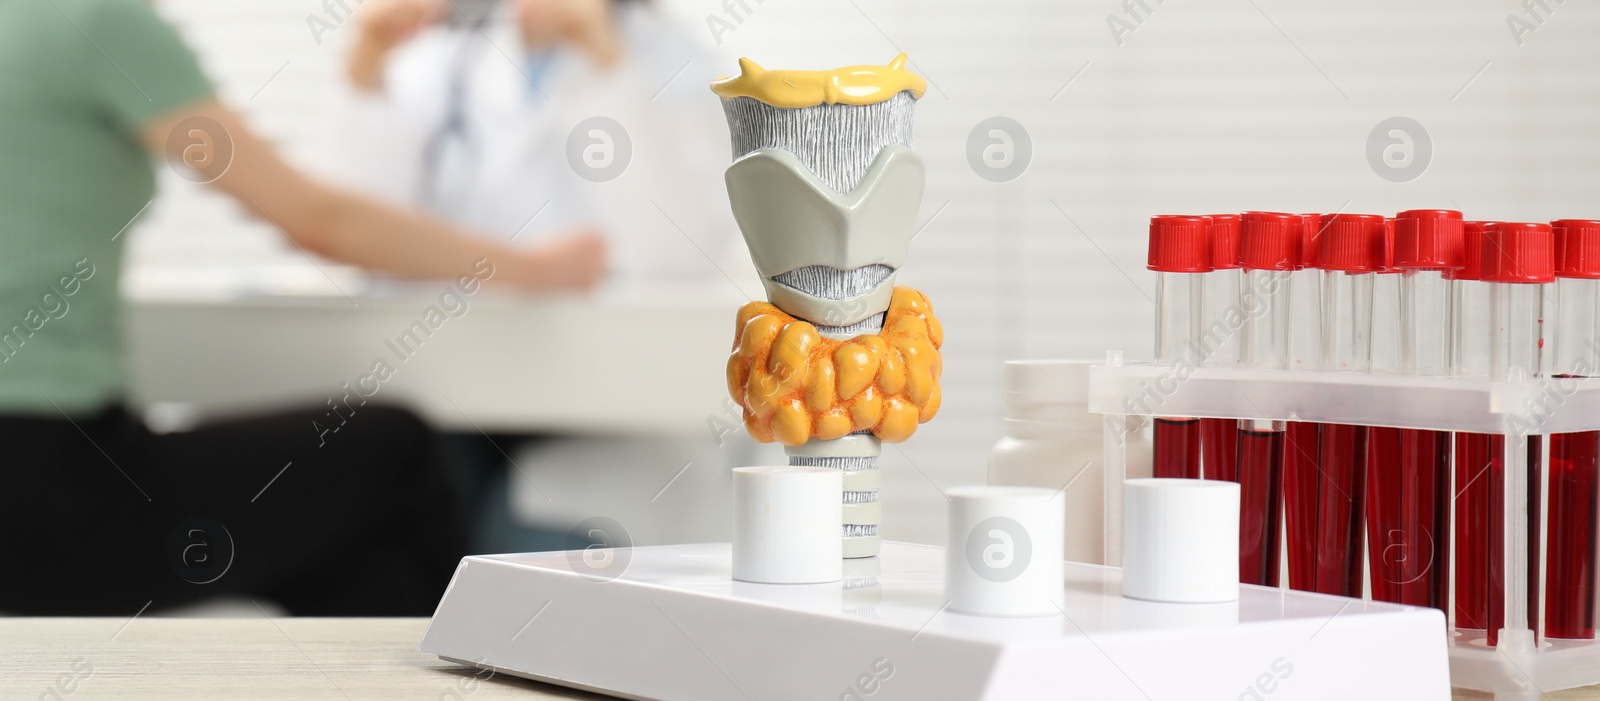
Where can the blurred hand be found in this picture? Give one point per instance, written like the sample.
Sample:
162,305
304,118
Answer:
381,25
573,262
586,24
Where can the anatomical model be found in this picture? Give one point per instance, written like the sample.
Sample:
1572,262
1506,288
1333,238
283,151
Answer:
825,188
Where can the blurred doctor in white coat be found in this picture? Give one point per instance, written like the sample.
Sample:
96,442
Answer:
538,119
553,121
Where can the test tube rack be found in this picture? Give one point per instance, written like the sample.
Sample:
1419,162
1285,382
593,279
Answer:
671,624
1524,664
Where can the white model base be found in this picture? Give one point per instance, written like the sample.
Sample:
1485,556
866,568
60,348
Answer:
675,627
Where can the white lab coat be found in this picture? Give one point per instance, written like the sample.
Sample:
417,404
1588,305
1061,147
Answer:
665,217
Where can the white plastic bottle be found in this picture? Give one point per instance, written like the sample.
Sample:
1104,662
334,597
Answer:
1052,441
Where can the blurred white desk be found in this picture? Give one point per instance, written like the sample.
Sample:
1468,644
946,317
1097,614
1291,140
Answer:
626,360
631,376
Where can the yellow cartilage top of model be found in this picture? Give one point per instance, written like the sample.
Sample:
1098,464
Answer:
850,85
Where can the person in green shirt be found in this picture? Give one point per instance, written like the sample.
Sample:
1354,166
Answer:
97,514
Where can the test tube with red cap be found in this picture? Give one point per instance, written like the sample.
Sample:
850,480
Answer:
1574,470
1180,252
1469,305
1518,263
1477,507
1383,442
1305,295
1351,252
1427,243
1267,243
1219,440
1302,440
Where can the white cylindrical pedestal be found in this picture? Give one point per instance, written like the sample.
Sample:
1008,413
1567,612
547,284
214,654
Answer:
1003,557
786,525
1180,540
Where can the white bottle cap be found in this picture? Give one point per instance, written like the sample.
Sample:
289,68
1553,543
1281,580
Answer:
1047,390
1052,381
1180,540
1003,557
786,525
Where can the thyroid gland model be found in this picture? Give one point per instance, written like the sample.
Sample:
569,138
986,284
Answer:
825,187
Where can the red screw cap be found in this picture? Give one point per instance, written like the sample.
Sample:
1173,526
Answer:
1224,241
1310,230
1519,252
1429,239
1353,243
1471,251
1577,248
1269,240
1180,244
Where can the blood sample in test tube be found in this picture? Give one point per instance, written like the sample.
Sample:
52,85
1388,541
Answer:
1383,442
1478,475
1574,472
1180,252
1267,252
1351,252
1302,439
1519,264
1219,440
1427,243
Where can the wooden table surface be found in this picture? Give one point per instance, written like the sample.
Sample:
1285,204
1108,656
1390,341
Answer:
300,658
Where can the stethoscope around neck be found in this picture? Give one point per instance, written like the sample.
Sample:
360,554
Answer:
455,127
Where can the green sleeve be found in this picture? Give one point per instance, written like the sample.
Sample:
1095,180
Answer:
140,69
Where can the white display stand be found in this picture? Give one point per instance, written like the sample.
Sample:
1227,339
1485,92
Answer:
1516,669
675,627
